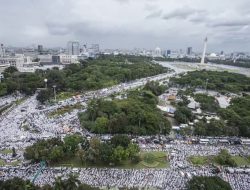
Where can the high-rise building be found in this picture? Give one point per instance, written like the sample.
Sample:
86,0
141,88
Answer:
73,48
189,50
168,52
2,51
40,49
95,48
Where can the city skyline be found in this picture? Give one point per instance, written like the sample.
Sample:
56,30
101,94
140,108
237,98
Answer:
127,24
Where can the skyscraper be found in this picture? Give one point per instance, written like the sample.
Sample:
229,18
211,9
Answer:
40,49
189,50
73,48
2,51
204,51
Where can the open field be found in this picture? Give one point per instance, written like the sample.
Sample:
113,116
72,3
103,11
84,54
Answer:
205,160
158,160
66,109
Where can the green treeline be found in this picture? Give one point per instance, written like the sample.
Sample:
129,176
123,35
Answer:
237,116
76,146
71,183
220,81
137,114
90,74
208,183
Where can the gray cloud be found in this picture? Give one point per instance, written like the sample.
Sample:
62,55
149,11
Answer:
127,23
182,13
154,14
230,23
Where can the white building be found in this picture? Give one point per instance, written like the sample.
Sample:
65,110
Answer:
45,58
68,59
17,61
157,52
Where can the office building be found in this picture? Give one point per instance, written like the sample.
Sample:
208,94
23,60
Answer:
189,50
73,48
168,53
40,49
2,51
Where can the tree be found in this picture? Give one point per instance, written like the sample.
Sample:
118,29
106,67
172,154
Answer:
9,70
82,155
224,158
183,114
207,183
72,142
155,88
120,140
72,183
119,154
44,95
17,184
101,124
93,153
133,150
56,153
106,151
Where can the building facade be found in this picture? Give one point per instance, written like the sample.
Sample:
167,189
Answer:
73,48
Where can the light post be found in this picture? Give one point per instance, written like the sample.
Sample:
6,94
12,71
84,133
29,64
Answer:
45,81
54,88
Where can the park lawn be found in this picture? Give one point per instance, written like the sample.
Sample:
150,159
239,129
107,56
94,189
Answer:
65,95
199,160
159,162
205,160
3,163
66,109
20,101
241,161
6,151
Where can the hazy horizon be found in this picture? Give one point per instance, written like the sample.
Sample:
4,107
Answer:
128,24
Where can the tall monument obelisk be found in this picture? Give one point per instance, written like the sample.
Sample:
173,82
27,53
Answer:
204,51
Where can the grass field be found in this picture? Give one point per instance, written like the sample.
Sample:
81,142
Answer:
205,160
3,163
241,161
199,160
66,109
158,161
64,95
6,151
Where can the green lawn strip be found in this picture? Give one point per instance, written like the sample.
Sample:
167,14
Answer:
241,161
18,102
206,160
66,109
199,160
14,163
2,162
6,151
159,162
65,95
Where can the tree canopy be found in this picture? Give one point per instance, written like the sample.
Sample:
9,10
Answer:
137,114
221,81
92,74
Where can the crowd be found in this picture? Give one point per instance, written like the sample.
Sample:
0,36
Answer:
41,126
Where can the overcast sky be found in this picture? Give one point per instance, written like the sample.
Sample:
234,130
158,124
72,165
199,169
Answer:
169,24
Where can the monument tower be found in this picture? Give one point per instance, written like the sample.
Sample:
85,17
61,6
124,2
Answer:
204,51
